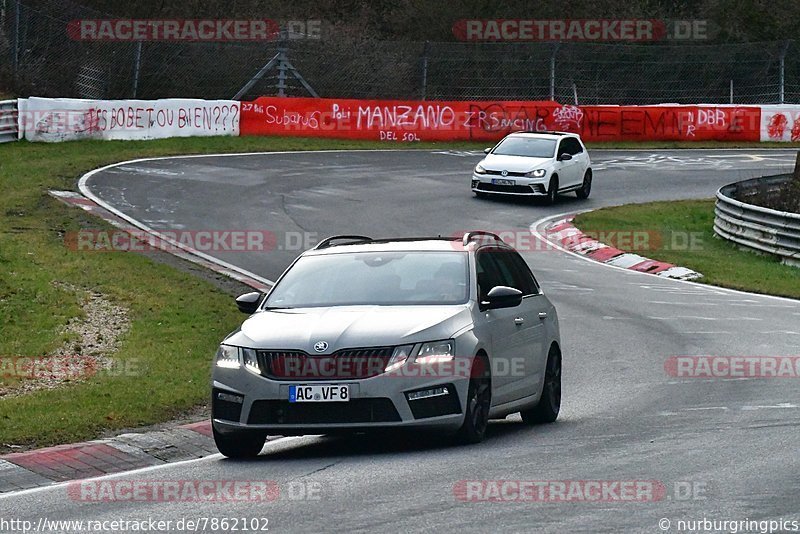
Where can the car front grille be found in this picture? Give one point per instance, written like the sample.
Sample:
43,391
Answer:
509,173
371,410
345,364
518,189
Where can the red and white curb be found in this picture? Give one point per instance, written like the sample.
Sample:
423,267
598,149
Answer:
126,452
562,232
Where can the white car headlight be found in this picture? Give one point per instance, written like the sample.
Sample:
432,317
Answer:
227,357
479,169
538,173
436,352
399,357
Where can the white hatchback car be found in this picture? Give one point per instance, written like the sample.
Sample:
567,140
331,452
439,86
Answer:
534,164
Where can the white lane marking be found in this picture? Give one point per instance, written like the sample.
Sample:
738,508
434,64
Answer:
148,469
534,228
723,303
684,303
145,170
709,333
780,406
700,318
459,153
785,332
710,380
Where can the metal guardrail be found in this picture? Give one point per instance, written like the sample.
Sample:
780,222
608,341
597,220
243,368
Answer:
755,227
8,120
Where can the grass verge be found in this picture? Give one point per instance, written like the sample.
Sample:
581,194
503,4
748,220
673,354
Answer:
681,232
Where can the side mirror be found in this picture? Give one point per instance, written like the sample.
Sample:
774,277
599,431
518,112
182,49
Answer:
487,150
502,297
248,303
564,157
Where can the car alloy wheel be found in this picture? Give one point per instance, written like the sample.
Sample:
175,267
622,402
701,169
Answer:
479,401
552,191
586,188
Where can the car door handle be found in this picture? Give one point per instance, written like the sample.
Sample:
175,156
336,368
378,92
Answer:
518,320
542,315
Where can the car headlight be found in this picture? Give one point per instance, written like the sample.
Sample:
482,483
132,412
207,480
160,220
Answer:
436,352
399,357
538,173
479,169
227,357
250,361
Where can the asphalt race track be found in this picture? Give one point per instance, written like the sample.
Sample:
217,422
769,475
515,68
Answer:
735,441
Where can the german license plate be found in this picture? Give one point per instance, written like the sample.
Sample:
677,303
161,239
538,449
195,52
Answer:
500,181
319,393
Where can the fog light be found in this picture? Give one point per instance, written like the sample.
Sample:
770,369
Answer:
475,184
227,397
428,393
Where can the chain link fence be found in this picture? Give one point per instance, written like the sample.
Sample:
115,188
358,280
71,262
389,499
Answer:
38,58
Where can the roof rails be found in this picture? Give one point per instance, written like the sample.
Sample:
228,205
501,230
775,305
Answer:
325,243
358,239
469,235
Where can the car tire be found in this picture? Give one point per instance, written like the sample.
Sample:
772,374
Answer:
479,400
239,444
550,401
586,188
552,191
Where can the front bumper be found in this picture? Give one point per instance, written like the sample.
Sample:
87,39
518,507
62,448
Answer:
254,402
522,186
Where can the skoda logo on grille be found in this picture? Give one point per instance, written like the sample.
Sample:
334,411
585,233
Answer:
321,346
504,173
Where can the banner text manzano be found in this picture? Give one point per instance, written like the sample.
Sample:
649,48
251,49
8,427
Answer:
404,121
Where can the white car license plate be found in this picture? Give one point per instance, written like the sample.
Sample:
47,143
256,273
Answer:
500,181
319,393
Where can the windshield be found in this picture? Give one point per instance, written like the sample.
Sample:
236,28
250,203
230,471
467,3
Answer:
532,147
374,278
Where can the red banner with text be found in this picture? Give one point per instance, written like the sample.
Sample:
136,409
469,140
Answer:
409,121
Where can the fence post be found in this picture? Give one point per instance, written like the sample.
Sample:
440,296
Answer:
15,57
553,72
283,59
137,63
781,95
425,52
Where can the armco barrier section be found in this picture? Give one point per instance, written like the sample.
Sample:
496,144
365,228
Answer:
67,119
755,227
8,121
394,120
